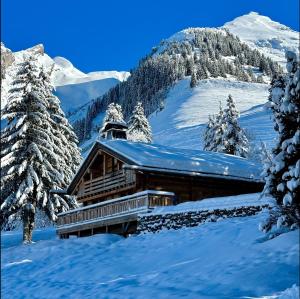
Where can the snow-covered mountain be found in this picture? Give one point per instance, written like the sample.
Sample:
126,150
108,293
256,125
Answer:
185,110
65,74
270,38
73,87
181,123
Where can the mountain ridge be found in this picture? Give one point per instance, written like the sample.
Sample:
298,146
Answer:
63,75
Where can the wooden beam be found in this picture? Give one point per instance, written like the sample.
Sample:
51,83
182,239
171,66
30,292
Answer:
100,196
104,164
76,229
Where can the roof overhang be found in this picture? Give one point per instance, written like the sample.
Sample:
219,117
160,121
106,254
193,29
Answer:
191,173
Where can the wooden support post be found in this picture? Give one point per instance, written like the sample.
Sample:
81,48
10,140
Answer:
125,227
104,164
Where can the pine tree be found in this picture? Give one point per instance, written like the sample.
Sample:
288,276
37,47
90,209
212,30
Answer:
282,174
209,134
234,140
260,79
113,114
193,82
217,131
39,150
139,128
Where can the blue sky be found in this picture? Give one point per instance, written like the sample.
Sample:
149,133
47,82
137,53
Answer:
115,34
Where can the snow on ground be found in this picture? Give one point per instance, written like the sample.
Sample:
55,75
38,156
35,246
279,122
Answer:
270,38
182,122
224,203
225,259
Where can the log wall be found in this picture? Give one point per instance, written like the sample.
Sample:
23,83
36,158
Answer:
190,188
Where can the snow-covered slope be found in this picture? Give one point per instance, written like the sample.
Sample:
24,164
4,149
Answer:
260,32
181,123
65,73
224,259
75,95
183,120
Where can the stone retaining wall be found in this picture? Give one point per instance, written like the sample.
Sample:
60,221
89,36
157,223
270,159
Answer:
155,223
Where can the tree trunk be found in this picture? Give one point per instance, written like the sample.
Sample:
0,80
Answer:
28,215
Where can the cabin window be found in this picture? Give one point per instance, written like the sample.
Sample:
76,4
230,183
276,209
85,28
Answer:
97,167
158,200
87,177
109,164
116,164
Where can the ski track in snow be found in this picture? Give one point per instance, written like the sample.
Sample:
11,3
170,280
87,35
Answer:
215,260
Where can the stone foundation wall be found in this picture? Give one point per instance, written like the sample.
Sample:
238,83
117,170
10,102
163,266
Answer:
155,223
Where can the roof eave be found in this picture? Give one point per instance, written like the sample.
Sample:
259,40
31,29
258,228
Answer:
192,173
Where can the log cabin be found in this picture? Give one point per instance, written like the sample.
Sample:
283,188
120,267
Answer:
120,179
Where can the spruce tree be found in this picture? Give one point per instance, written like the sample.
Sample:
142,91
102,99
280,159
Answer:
139,129
282,174
234,140
39,150
209,133
218,131
113,113
193,82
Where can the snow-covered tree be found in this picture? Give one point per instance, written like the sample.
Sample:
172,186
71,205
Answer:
193,82
234,140
114,126
260,79
139,129
209,133
216,132
282,173
223,133
113,114
39,149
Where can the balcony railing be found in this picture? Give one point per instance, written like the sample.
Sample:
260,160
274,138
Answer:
127,205
115,180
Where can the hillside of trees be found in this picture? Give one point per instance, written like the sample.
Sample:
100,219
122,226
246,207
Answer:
209,54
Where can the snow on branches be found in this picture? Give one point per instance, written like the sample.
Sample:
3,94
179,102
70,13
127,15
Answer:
223,133
39,148
139,128
282,173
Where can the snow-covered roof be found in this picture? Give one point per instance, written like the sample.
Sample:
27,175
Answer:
160,158
182,160
170,159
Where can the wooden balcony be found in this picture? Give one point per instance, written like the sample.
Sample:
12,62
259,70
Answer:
111,212
122,179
